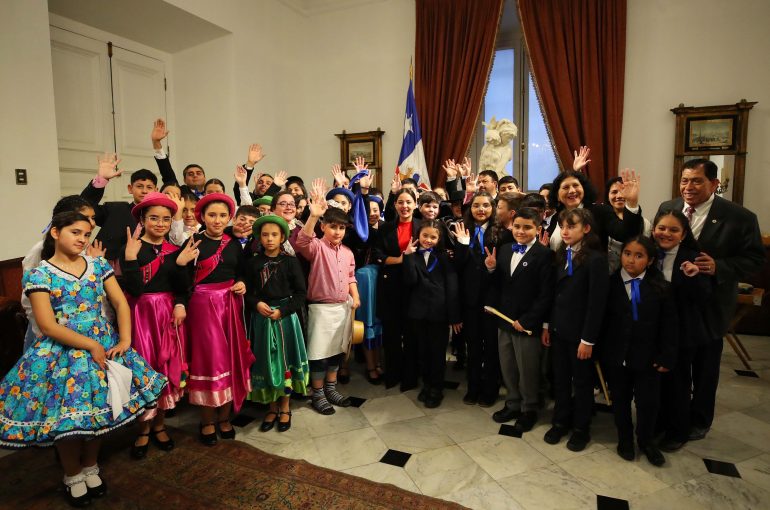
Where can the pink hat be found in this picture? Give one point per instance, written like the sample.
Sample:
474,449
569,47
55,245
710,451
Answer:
213,197
151,199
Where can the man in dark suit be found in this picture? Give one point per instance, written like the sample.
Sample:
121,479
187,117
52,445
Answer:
114,217
731,245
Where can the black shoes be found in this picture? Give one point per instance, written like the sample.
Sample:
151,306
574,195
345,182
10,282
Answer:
506,414
626,450
79,501
578,441
653,455
373,380
162,445
471,398
283,426
207,439
554,434
525,422
140,452
697,433
433,400
487,401
343,378
267,425
226,434
671,445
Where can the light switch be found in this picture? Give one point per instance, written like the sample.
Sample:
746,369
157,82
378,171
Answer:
21,176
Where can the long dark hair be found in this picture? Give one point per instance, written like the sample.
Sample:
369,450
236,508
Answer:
59,221
590,241
468,215
688,241
589,192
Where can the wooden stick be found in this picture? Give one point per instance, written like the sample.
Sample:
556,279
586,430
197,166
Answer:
495,311
604,384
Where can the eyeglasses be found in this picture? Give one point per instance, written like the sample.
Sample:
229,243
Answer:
286,205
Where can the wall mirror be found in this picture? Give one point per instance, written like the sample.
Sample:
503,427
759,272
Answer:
717,133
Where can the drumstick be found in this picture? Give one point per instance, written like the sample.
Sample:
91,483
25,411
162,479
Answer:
604,384
495,311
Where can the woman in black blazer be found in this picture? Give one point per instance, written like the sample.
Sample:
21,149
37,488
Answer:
393,296
677,250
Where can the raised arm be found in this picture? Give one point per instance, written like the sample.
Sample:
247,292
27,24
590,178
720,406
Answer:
159,132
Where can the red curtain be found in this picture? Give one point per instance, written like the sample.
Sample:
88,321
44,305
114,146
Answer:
454,48
577,51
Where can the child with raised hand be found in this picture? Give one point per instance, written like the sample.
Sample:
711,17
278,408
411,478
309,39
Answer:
157,287
432,306
639,344
677,251
275,292
574,325
184,224
220,354
523,286
479,329
58,391
332,298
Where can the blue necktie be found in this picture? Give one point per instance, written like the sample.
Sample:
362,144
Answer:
422,252
636,297
569,261
519,248
478,239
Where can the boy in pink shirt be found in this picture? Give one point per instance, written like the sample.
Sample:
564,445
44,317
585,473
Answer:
332,299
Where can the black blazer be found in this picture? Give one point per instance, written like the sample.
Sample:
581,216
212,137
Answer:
392,294
113,218
732,237
650,340
691,295
579,300
433,295
475,280
526,294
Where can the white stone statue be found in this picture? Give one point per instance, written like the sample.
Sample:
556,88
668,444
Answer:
497,150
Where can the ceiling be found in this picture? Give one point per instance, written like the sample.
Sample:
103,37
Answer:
154,23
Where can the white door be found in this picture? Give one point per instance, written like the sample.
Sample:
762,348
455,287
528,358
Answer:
85,94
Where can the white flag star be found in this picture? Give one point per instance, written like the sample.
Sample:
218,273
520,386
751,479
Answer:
407,125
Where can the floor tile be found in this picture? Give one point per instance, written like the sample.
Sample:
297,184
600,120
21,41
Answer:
510,431
453,401
606,473
466,424
356,401
749,430
344,419
413,436
395,458
668,498
445,470
379,411
350,449
746,373
721,446
717,467
679,467
548,487
383,473
756,470
503,456
488,496
608,503
760,412
717,492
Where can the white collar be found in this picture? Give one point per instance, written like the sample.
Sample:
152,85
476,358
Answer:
627,277
672,251
701,206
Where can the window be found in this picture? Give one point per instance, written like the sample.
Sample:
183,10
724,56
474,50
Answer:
511,95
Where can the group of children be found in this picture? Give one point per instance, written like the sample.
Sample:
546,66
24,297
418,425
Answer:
224,305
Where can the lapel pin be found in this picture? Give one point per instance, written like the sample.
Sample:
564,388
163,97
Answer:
524,264
713,221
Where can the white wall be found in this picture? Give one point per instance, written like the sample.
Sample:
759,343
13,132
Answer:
27,125
700,53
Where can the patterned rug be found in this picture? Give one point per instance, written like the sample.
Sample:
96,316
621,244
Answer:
192,476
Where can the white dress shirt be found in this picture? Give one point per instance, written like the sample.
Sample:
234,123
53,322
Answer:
516,258
627,280
698,219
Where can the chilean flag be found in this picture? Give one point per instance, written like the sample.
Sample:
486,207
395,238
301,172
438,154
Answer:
411,161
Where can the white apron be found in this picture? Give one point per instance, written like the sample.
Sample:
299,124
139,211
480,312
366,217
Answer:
330,329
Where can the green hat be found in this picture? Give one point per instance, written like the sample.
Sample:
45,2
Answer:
271,218
265,200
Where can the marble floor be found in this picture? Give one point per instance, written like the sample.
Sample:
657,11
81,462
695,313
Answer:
457,452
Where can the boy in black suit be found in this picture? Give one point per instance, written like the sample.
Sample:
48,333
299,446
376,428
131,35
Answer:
523,277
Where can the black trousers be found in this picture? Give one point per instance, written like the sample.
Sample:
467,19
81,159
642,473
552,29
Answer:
675,395
573,386
431,340
483,364
643,387
400,353
706,359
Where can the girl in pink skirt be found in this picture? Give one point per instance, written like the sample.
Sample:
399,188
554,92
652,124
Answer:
157,285
220,354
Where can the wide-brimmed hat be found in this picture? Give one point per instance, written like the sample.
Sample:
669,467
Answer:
265,200
151,199
271,218
213,197
340,191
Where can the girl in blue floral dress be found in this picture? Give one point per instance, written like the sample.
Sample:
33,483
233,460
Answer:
59,392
